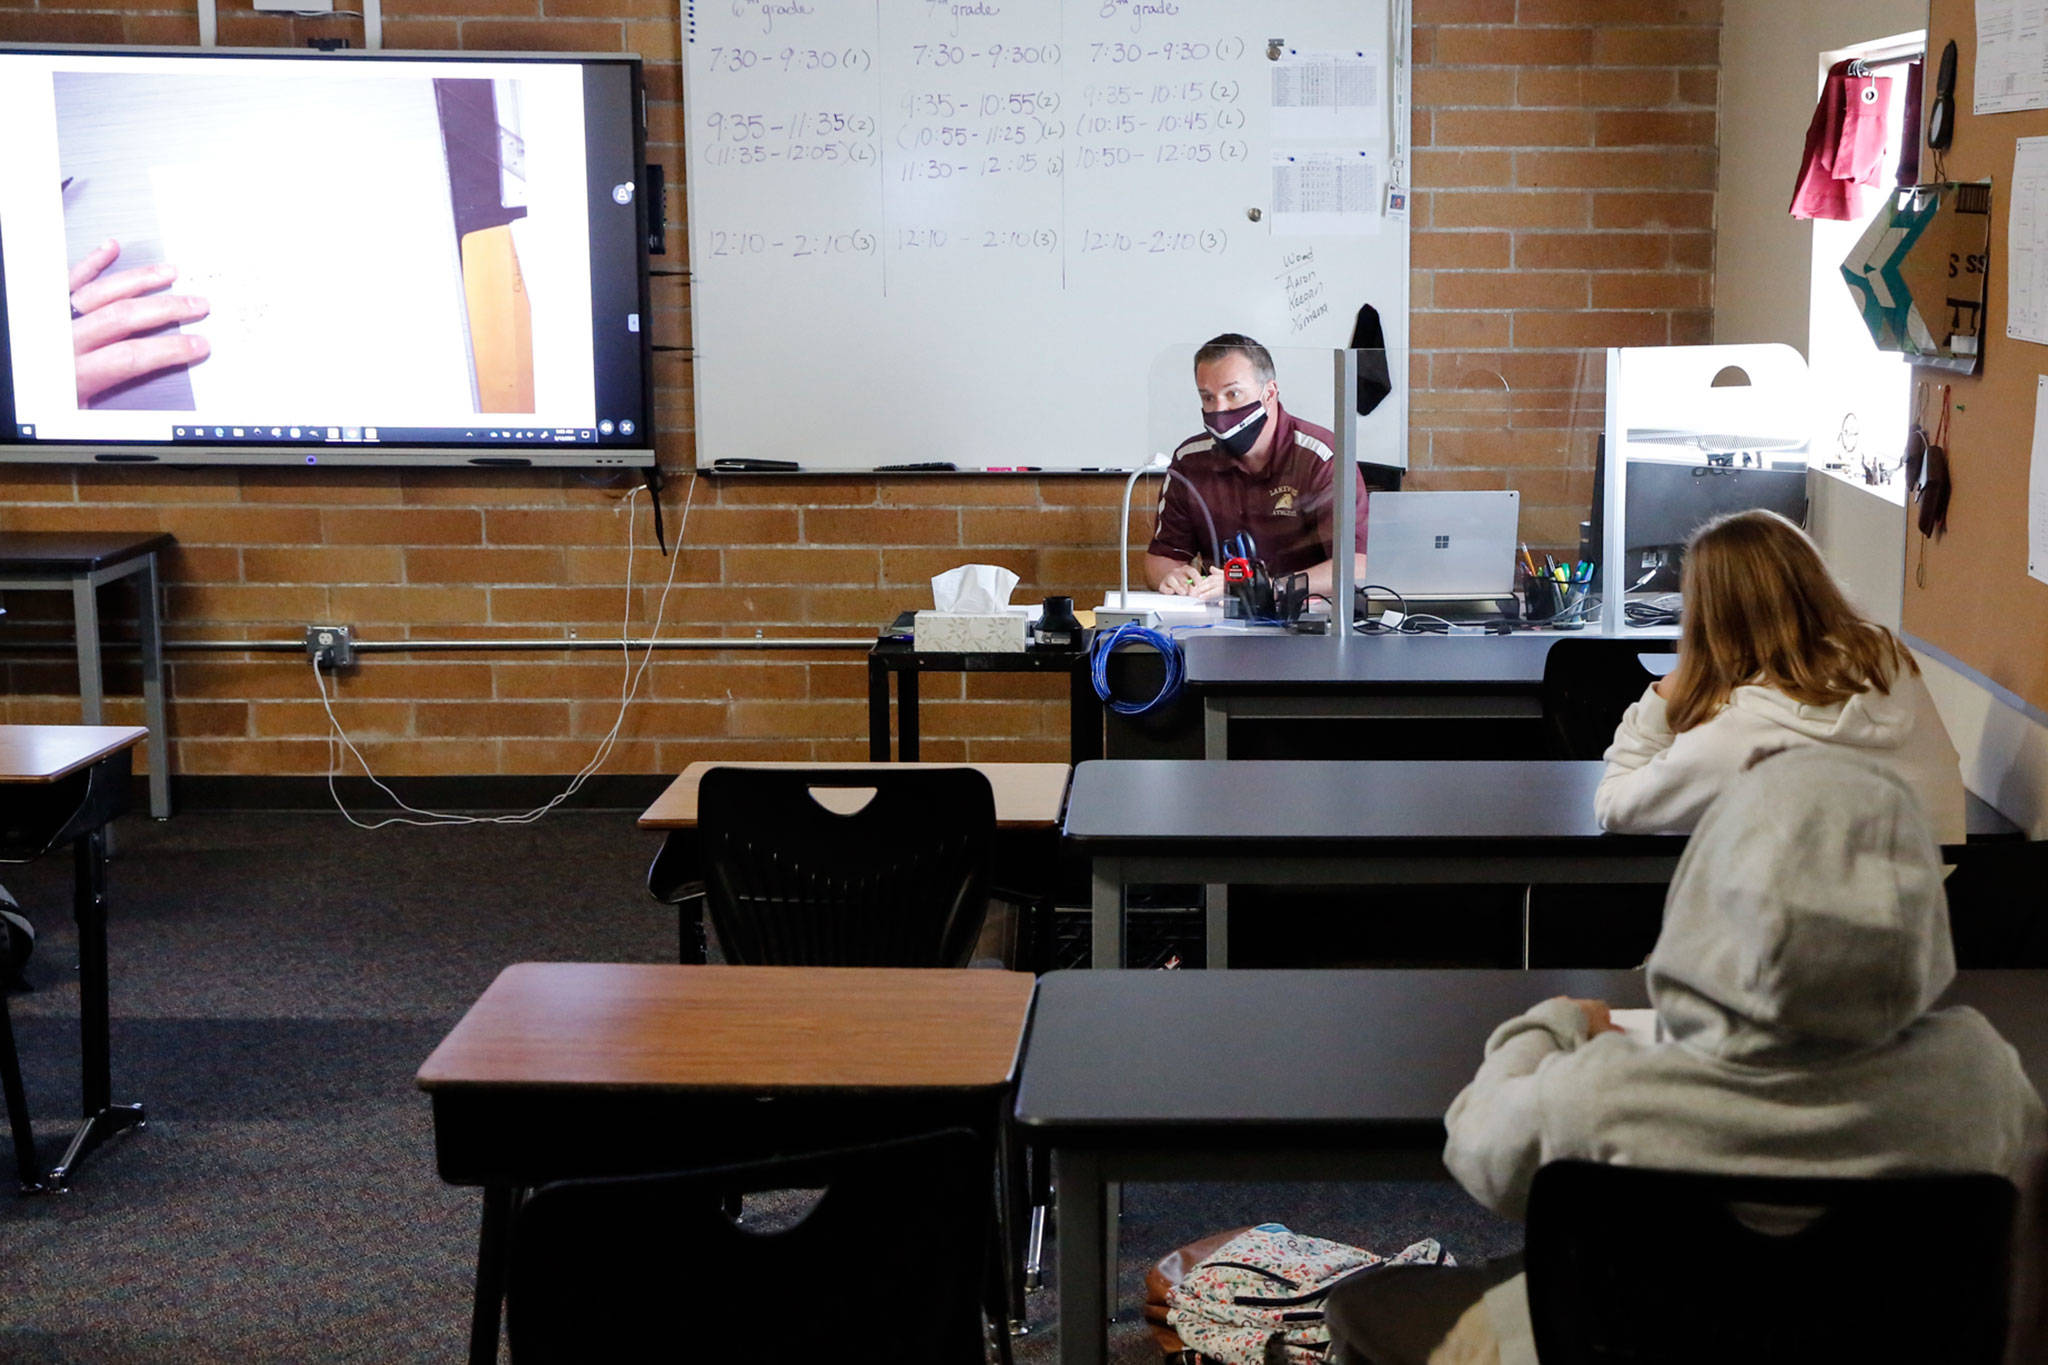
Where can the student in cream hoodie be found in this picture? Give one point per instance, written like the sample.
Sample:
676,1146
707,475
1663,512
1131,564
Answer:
1805,941
1771,656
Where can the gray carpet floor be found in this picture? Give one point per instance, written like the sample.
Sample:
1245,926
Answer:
277,979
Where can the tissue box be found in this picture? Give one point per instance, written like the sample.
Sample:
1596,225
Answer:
969,632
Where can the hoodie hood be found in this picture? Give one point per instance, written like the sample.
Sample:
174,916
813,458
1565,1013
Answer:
1807,918
1868,720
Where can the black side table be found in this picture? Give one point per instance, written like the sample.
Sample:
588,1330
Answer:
80,563
906,661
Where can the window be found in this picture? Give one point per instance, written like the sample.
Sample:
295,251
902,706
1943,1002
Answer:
1861,394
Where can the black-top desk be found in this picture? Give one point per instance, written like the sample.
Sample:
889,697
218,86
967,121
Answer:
1435,677
80,563
1337,823
1303,1075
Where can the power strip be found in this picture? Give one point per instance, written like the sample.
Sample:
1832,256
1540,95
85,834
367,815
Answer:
1109,618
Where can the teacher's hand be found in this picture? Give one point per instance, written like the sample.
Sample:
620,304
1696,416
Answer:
1187,583
107,312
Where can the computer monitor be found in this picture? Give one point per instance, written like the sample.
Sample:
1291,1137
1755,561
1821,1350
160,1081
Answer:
215,257
1666,501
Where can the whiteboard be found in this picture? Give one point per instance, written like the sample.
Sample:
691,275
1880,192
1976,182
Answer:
968,230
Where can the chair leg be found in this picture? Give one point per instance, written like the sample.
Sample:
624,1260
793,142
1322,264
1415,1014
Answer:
995,1296
1031,938
692,946
1034,1250
26,1170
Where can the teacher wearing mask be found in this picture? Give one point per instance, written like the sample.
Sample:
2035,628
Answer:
1262,472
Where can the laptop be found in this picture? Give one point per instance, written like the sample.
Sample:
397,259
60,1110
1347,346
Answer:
1443,546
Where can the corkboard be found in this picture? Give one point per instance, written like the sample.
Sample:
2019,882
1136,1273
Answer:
1968,594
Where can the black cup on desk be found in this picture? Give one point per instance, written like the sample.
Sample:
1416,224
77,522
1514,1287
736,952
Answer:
1058,628
1547,602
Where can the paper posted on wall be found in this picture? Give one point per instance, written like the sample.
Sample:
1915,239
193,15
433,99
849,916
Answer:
2012,56
2037,488
2026,289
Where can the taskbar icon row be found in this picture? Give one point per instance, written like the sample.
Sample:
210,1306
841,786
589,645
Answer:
403,435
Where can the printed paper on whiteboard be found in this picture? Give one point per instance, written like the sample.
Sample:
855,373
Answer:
2037,488
1337,96
1330,193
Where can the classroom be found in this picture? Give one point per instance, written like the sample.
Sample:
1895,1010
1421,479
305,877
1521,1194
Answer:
758,496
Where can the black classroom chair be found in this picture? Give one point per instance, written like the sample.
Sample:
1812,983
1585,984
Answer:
900,882
676,877
1587,684
1629,1266
888,1266
903,881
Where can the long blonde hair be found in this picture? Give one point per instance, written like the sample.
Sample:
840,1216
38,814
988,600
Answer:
1760,607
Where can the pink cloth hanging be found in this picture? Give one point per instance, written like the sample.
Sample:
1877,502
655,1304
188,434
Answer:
1844,145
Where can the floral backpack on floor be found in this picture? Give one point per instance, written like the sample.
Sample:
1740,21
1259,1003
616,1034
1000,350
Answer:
1259,1297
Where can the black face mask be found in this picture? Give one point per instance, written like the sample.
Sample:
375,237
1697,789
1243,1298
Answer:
1237,430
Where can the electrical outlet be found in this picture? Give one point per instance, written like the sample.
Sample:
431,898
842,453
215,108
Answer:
331,647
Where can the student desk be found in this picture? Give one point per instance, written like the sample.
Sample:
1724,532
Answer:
1028,795
80,563
570,1069
1421,677
64,784
1297,1075
1348,823
1029,799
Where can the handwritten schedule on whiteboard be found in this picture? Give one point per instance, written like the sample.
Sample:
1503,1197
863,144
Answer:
963,230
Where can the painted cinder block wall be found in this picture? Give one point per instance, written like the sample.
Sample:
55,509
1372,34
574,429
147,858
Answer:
1565,154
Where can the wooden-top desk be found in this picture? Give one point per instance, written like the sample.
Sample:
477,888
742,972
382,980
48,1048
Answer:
1028,795
46,753
568,1069
64,784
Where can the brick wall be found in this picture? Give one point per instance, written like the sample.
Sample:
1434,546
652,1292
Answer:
1565,154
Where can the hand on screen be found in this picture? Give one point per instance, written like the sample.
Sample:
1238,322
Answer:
108,311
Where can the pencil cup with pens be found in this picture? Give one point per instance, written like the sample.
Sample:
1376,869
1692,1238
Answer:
1555,594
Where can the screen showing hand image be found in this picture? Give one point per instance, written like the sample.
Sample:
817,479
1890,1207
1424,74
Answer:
260,245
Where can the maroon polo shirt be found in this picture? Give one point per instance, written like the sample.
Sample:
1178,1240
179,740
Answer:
1288,508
